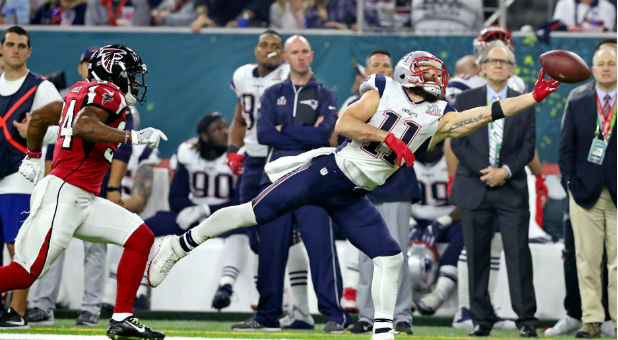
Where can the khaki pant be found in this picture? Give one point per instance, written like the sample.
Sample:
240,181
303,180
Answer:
593,228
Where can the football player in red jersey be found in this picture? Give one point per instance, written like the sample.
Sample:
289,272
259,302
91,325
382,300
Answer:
65,203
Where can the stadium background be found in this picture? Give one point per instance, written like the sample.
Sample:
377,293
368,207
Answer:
189,74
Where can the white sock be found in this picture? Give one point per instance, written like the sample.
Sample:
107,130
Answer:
120,316
463,297
236,249
446,281
114,253
384,289
298,271
219,222
352,259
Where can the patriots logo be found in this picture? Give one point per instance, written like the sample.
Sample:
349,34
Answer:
311,102
109,55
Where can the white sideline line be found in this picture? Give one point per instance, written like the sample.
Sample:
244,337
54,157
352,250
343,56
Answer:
16,336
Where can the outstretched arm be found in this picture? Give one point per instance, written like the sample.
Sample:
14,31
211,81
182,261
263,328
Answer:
461,124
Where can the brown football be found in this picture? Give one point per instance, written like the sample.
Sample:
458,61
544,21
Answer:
565,66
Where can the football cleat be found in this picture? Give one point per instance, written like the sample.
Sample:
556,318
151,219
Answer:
390,335
428,304
296,319
566,325
38,316
12,320
86,318
131,328
222,297
463,319
253,325
333,327
162,262
361,327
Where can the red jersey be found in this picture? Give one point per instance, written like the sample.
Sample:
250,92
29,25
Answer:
77,161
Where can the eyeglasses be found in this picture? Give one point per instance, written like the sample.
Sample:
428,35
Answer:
499,61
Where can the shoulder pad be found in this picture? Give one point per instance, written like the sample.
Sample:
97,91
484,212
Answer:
107,96
373,82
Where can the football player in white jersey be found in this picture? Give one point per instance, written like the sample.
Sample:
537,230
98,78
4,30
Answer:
393,119
249,82
436,221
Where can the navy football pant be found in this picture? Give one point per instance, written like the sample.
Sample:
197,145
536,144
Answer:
320,182
275,239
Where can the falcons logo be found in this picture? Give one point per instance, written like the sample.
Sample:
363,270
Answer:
109,55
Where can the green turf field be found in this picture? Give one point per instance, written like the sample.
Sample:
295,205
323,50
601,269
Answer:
211,329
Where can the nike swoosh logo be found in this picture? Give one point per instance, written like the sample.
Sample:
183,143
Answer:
140,329
16,323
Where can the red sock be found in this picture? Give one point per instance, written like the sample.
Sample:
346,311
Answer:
14,276
131,268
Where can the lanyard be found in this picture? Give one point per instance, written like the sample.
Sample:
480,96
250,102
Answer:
608,123
113,18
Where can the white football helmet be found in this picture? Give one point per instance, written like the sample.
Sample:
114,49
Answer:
423,265
411,71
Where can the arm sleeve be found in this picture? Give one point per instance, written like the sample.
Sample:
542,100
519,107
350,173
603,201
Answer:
518,160
179,189
267,134
313,136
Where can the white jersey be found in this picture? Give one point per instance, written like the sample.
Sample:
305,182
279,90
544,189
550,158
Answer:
249,87
465,82
369,164
433,180
210,181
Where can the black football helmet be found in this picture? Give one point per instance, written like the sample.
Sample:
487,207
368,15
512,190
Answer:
120,65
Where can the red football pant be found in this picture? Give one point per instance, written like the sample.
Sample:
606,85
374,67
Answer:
131,268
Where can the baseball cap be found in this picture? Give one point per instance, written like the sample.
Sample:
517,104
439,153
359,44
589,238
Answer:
87,54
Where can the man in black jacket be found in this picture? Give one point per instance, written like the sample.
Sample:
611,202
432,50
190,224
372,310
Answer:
490,186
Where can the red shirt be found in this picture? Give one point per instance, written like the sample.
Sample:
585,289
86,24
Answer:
77,161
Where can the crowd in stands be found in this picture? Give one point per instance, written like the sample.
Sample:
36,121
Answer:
383,15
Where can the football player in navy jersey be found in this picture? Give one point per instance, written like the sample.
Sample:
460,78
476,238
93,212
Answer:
393,118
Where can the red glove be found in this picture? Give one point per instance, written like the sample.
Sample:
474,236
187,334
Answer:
542,195
400,148
234,161
449,185
543,87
